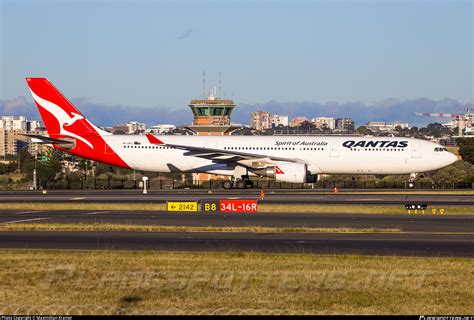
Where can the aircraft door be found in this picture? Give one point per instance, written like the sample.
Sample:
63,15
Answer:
416,150
333,150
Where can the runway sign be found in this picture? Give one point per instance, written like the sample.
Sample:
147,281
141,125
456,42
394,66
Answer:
416,207
238,206
210,206
184,206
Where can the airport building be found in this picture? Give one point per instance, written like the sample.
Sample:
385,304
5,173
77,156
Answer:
212,116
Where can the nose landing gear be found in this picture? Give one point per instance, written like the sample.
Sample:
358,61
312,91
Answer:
411,180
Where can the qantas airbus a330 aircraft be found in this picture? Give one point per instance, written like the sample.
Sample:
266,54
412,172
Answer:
295,159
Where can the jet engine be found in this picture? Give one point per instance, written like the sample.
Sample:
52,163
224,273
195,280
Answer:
288,172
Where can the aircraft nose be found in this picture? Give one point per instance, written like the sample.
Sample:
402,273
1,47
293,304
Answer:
451,158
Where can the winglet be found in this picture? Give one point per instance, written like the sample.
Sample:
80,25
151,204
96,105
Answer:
153,140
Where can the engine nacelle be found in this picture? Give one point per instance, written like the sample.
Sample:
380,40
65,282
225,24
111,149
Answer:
288,172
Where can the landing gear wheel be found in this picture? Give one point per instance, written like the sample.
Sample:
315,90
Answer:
227,184
241,184
249,184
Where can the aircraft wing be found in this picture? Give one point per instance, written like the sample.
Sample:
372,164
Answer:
37,138
226,156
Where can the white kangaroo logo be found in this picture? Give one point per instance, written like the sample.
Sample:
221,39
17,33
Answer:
62,116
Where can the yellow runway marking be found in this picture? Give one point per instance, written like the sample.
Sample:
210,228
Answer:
78,198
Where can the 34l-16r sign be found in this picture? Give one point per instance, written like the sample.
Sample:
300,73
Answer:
238,205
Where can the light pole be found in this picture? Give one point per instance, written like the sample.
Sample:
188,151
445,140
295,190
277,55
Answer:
19,157
144,184
35,180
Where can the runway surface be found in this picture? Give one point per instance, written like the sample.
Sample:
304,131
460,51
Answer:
405,222
422,235
373,244
271,196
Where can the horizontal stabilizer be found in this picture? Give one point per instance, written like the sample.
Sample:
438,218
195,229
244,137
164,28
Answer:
37,138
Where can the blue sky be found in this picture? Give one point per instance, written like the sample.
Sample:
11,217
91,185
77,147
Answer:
152,53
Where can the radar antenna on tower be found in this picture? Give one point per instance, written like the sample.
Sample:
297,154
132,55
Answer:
220,84
204,84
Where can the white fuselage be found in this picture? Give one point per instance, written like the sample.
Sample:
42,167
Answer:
322,154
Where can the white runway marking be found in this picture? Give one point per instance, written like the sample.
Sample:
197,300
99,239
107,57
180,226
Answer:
26,212
26,220
96,212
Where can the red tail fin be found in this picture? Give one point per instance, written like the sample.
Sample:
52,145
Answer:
60,117
63,120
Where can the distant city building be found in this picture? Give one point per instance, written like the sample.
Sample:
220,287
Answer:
345,124
402,125
277,120
17,123
10,144
134,127
297,121
11,130
33,125
261,120
161,128
465,122
380,126
324,123
119,128
131,127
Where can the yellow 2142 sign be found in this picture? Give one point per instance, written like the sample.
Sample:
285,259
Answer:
182,206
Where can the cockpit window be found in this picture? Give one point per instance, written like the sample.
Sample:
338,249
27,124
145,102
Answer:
440,149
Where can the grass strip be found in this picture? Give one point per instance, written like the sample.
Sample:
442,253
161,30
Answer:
263,207
157,228
114,282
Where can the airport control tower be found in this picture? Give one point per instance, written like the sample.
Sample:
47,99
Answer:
212,116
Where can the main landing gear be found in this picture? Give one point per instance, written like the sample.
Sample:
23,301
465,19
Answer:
244,183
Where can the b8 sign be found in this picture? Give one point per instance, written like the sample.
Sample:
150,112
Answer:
238,205
210,206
